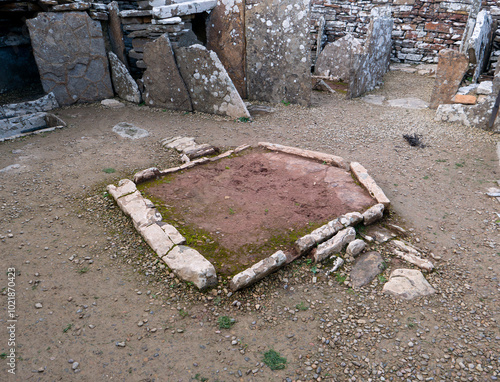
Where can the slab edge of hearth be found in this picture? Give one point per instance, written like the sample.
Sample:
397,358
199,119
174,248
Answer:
333,160
371,186
164,239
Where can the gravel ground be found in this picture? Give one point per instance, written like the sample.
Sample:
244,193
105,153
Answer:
93,302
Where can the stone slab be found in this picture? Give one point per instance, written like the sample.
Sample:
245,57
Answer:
116,33
373,214
334,245
335,60
408,284
278,51
125,187
367,182
46,103
450,72
28,123
183,9
123,83
226,37
80,73
408,103
156,238
258,271
366,268
209,86
130,131
189,265
163,84
477,45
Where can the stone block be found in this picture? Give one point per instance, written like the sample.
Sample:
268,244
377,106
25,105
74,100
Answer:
163,84
278,51
336,58
466,99
318,236
125,86
125,187
485,87
366,268
172,233
477,44
209,86
46,103
147,174
373,214
157,239
189,265
450,72
11,128
258,271
335,245
367,182
183,9
355,247
408,284
71,58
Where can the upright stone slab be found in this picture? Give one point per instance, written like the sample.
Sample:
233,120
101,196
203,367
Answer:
210,88
123,83
115,33
477,45
278,51
369,67
226,37
69,51
450,71
163,84
336,58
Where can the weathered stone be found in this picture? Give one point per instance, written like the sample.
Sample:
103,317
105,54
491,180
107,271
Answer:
199,150
80,72
45,103
373,214
209,86
81,6
478,43
355,247
322,86
415,260
469,89
377,233
123,83
278,51
335,244
135,206
189,265
374,99
184,8
125,187
29,123
173,233
336,58
485,87
226,37
368,68
178,143
464,99
366,268
451,69
367,182
128,130
318,236
147,174
115,33
407,284
112,103
258,271
351,219
169,21
163,84
409,103
156,238
322,157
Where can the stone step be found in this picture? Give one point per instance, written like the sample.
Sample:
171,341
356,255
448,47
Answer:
182,9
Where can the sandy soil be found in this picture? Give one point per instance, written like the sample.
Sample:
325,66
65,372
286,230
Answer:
100,287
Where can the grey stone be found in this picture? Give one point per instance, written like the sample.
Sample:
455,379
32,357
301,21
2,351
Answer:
318,236
369,183
147,174
173,233
335,244
123,83
46,103
163,84
70,55
377,233
336,58
12,127
322,86
184,8
112,103
366,268
408,103
278,51
128,130
411,254
355,247
125,187
115,32
374,99
258,271
189,265
373,214
477,44
157,239
407,284
485,87
209,86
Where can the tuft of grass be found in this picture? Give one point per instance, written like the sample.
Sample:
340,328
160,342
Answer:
274,360
381,279
231,211
340,279
83,270
3,355
286,103
225,322
461,164
67,327
302,306
244,119
183,313
108,170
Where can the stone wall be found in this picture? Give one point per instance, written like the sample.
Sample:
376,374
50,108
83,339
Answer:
421,27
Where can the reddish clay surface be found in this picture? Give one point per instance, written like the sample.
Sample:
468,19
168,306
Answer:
249,198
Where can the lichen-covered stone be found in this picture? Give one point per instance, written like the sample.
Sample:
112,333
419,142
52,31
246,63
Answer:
408,284
209,86
183,8
123,83
373,214
335,244
45,103
366,268
163,84
278,51
336,58
477,44
80,73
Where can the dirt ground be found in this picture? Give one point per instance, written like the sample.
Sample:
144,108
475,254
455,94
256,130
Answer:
94,304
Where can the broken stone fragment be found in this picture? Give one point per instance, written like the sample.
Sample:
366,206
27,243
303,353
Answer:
199,150
355,247
112,103
189,265
147,174
335,244
258,271
125,187
157,239
184,8
373,214
318,236
351,219
336,58
415,260
172,233
367,182
366,268
408,284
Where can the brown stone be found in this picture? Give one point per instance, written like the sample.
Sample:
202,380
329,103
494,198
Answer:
450,71
163,84
115,33
465,99
226,37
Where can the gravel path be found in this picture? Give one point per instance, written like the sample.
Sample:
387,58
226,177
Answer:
92,300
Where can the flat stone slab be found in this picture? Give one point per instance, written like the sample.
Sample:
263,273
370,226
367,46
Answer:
366,268
374,99
258,271
335,60
367,181
408,284
408,103
130,131
183,9
46,103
